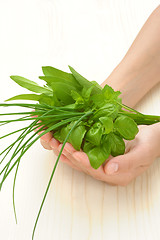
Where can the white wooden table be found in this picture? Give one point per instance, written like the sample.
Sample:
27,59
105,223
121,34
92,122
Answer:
92,36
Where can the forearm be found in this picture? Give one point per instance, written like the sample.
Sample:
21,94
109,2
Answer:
139,70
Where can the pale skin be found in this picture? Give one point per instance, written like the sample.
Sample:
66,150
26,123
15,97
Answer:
135,75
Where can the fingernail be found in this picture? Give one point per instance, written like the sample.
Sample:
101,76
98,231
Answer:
112,168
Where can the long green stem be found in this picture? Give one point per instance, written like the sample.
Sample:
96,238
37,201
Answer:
52,174
55,126
144,119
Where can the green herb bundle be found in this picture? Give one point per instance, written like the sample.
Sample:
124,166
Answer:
75,110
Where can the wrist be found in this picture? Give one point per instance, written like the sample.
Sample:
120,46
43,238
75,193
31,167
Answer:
134,78
156,129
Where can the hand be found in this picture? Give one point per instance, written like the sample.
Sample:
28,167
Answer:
120,170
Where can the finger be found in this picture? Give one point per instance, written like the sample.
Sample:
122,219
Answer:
123,179
46,137
69,148
77,157
81,159
45,144
68,152
123,163
54,143
64,159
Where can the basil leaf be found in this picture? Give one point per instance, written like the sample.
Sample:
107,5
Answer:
107,123
126,126
109,93
108,110
116,142
76,137
98,155
83,81
30,85
98,100
87,146
57,135
64,131
94,134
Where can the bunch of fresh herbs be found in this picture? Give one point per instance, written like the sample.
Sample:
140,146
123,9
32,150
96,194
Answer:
75,110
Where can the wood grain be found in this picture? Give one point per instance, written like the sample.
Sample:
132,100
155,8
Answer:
91,36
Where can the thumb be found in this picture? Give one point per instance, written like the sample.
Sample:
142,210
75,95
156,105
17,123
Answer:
126,162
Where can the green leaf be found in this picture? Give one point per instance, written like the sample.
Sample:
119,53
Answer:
109,93
108,110
94,134
126,126
57,136
42,98
77,97
83,81
63,92
98,155
52,79
86,93
33,97
49,100
98,100
54,72
87,146
30,85
76,137
96,84
107,123
79,101
116,142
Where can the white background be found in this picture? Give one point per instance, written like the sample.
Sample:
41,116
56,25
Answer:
92,36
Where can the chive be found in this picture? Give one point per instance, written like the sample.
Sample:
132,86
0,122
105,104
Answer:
53,171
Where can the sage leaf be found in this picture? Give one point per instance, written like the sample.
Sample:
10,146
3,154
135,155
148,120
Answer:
32,97
52,79
54,72
63,92
30,85
83,81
